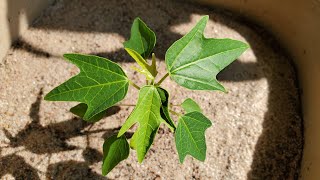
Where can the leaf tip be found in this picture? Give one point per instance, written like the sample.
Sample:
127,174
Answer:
104,173
203,20
131,52
245,46
67,55
221,88
181,159
205,17
46,98
202,160
119,135
137,19
224,90
141,158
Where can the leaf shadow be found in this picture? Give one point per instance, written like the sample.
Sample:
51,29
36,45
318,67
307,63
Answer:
51,139
17,166
72,169
26,46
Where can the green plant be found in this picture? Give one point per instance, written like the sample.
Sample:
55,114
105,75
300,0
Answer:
192,61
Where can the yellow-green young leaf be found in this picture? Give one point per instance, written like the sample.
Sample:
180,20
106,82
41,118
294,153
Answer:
147,70
194,61
189,105
115,150
164,111
147,115
143,71
190,135
100,84
81,109
142,39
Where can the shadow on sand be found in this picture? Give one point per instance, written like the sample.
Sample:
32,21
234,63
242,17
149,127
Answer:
51,139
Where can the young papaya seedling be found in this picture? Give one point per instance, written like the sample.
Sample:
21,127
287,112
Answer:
192,61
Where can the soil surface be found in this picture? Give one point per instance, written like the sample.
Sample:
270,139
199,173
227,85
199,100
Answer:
257,127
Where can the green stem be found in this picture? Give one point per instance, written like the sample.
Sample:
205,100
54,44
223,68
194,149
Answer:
154,62
175,113
134,85
162,79
87,136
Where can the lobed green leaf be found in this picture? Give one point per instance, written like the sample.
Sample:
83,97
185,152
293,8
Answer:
194,61
147,115
190,135
100,84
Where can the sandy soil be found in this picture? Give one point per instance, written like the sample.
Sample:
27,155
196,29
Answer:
257,127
